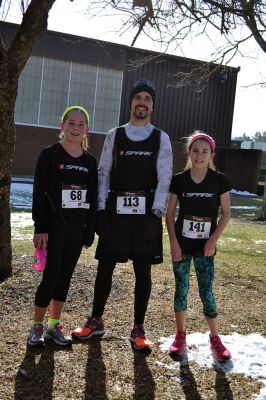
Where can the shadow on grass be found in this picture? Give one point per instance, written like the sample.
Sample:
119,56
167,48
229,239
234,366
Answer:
222,387
188,383
95,371
144,385
36,373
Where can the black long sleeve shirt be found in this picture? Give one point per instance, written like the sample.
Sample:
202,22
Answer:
55,170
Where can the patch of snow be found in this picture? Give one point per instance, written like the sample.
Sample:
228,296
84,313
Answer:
230,239
243,194
248,355
249,215
21,195
18,221
21,219
244,207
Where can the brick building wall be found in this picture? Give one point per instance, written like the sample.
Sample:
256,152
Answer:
30,140
242,166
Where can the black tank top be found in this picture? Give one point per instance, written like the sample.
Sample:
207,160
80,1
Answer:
134,162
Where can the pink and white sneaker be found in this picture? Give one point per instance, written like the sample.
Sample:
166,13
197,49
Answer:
179,345
219,351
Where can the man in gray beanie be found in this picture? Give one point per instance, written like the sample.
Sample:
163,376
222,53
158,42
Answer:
135,171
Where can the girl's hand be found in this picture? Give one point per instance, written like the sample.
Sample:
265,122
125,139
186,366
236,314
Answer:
176,252
209,248
40,240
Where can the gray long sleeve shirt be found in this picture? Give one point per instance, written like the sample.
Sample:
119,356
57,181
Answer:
164,164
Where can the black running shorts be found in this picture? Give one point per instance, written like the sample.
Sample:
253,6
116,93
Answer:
134,237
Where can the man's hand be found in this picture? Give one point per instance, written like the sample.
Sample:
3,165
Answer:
102,226
156,212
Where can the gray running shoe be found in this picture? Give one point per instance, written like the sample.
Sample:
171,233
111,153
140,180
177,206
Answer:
35,337
139,339
58,335
92,327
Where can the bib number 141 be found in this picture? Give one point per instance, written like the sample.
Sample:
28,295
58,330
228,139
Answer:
196,229
197,226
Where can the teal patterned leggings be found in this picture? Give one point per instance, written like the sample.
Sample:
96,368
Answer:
204,267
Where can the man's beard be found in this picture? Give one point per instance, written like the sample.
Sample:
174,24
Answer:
141,114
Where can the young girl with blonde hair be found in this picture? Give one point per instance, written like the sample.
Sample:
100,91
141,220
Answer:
63,210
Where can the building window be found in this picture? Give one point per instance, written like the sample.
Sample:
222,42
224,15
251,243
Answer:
47,86
82,87
108,95
54,91
27,103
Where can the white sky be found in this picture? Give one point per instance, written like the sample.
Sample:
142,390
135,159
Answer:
249,113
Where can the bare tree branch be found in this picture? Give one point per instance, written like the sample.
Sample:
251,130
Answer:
173,20
34,20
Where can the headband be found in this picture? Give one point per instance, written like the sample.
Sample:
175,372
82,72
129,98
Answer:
77,108
205,137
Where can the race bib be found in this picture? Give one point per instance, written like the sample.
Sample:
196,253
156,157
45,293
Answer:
196,227
131,204
74,196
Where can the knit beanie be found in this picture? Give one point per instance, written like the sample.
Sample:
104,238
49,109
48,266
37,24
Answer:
143,85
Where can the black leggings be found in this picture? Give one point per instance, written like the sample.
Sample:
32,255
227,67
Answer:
103,285
64,248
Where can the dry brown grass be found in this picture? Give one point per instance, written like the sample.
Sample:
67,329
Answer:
106,368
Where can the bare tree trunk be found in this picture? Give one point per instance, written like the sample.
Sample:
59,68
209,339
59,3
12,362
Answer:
7,145
8,93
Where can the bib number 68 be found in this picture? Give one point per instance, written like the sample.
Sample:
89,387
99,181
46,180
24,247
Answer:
76,195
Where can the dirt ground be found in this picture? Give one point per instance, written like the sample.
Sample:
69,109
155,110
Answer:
107,368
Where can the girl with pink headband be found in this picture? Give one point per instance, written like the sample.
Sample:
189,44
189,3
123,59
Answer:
198,135
201,192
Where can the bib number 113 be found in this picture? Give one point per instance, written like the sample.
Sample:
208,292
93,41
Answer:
130,201
130,205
